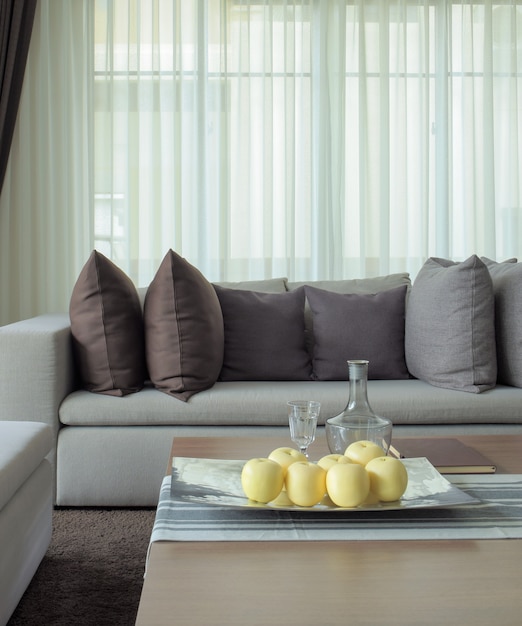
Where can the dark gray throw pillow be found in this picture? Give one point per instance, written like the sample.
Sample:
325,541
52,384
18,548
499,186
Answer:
107,329
450,326
358,326
183,329
373,284
264,335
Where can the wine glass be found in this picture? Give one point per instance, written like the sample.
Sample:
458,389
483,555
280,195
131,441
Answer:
302,419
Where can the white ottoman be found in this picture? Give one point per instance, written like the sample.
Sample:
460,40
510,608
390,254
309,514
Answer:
26,506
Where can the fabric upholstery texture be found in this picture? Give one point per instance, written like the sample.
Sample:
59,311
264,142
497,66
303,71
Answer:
358,326
183,329
107,329
374,284
507,289
26,491
23,446
450,331
264,335
265,285
263,403
26,527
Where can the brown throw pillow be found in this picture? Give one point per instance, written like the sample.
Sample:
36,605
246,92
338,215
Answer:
183,329
358,326
107,329
264,335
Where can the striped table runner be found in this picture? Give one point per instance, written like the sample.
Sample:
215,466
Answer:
498,515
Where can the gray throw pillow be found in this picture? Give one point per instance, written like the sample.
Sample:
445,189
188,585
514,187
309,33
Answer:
450,326
107,329
507,288
183,329
358,326
264,335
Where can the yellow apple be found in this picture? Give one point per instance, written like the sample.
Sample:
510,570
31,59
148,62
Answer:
262,479
347,484
286,456
327,461
305,483
388,478
363,451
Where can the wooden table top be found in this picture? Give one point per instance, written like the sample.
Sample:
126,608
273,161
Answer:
338,582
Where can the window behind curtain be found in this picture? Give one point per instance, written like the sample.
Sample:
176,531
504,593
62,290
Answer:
306,139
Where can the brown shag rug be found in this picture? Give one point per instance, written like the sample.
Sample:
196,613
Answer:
93,571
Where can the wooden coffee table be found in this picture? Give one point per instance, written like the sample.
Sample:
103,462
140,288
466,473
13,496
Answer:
339,582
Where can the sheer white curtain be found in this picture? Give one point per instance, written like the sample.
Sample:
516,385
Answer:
311,139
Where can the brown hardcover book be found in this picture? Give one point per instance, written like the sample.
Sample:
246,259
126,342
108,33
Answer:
448,455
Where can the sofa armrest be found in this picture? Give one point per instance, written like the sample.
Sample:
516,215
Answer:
36,369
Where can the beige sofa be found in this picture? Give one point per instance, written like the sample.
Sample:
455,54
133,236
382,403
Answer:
113,451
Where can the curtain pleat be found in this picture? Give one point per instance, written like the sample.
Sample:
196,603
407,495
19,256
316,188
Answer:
16,23
46,204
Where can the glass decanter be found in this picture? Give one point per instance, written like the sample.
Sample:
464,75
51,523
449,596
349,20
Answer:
358,421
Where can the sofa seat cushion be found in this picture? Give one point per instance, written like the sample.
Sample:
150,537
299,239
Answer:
23,446
263,403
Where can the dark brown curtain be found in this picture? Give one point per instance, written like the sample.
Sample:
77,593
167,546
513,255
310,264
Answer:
16,24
